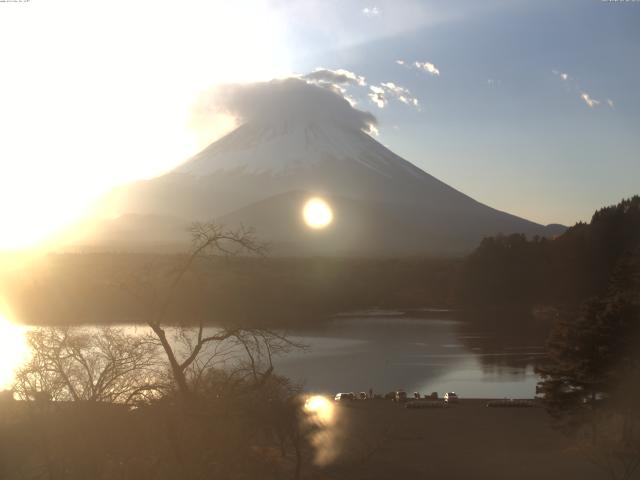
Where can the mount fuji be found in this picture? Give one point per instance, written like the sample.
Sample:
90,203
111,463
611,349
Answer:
261,174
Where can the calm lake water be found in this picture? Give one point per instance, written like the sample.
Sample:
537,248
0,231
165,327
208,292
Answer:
432,351
476,356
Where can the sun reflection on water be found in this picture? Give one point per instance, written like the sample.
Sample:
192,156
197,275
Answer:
327,435
13,350
320,408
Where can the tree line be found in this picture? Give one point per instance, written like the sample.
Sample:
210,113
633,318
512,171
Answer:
512,270
265,291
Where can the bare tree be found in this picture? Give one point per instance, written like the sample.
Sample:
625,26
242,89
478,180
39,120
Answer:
80,365
195,347
260,347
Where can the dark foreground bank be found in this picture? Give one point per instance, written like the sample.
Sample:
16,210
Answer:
374,439
381,440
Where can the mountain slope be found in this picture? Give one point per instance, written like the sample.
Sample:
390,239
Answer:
364,228
266,169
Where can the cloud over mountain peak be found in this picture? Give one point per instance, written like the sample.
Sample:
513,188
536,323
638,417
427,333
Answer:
284,100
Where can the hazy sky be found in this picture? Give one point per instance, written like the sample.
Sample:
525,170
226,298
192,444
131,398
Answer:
528,106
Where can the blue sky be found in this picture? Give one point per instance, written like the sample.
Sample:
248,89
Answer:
499,123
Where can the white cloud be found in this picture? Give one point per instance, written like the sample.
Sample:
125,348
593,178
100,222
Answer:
318,96
409,101
337,77
401,93
371,11
336,81
573,86
428,67
290,99
591,102
562,75
391,86
377,96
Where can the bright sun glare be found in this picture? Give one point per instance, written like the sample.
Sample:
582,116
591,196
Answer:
320,408
317,213
13,350
81,117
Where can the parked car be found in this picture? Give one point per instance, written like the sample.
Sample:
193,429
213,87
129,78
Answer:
450,397
362,396
344,397
400,397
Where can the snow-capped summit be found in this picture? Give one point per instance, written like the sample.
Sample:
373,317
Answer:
284,147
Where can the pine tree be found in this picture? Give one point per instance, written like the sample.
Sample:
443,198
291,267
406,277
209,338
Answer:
590,381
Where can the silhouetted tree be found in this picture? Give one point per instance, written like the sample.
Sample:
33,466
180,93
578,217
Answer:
78,365
577,265
503,270
209,239
591,380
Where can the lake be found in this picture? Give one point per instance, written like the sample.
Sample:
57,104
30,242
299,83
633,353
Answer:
423,352
480,356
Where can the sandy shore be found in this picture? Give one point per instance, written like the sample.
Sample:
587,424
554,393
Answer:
381,440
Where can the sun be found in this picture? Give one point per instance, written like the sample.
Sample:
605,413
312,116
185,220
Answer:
317,213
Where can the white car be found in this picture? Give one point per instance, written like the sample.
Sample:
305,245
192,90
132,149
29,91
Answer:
344,397
450,397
